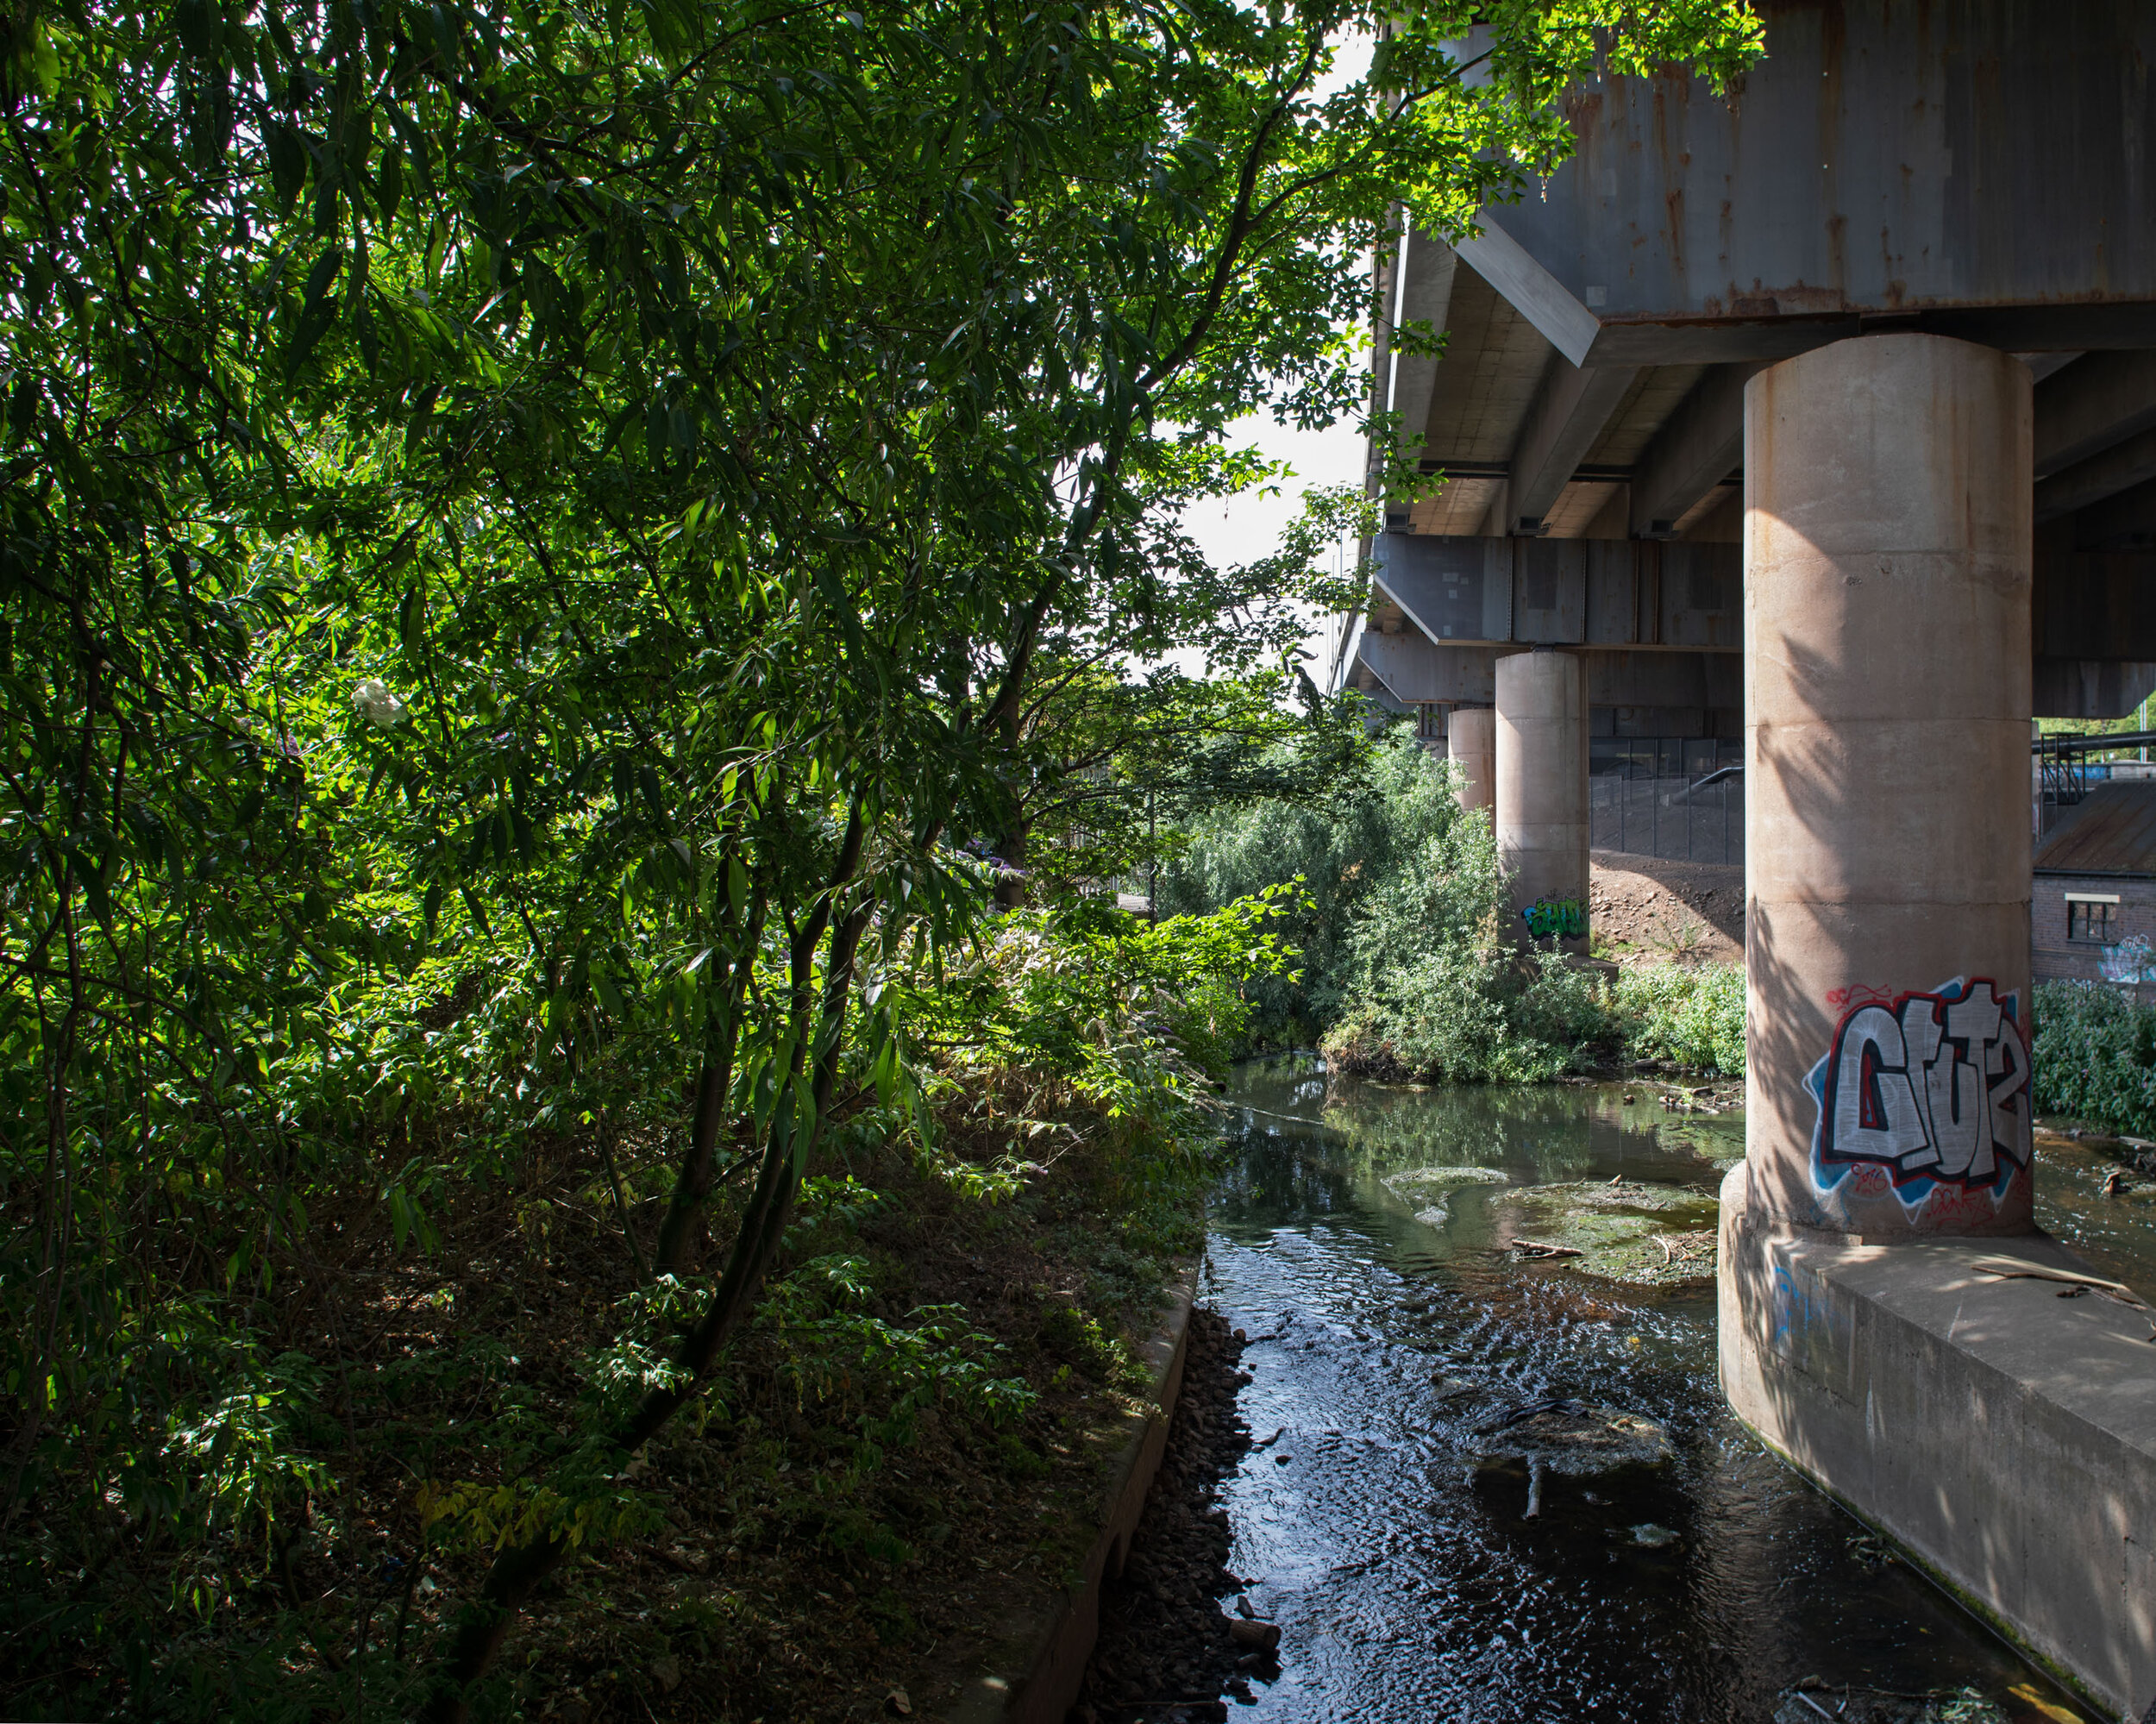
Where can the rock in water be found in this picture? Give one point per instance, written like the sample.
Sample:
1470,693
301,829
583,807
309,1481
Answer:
1574,1437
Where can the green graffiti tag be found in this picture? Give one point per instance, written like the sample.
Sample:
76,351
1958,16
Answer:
1565,917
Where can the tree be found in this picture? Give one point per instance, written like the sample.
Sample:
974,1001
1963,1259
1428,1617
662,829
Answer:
627,475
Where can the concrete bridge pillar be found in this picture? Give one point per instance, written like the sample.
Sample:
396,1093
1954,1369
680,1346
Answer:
1887,689
1539,752
1873,1328
1470,735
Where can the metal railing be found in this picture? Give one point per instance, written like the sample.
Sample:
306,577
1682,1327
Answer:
2064,770
1679,800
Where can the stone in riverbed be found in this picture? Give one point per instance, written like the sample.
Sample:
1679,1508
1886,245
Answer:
1423,1188
1574,1437
1631,1231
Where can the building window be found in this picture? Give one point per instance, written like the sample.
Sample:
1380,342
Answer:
2093,921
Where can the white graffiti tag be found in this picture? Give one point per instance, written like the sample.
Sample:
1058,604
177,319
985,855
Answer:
1932,1086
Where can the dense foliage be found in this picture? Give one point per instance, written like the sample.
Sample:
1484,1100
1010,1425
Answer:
2093,1055
1692,1014
539,549
329,1457
1407,967
1370,815
1407,970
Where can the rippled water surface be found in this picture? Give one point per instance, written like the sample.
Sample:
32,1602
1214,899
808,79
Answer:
1393,1548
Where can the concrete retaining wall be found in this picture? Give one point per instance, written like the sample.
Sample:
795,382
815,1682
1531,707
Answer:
1048,1652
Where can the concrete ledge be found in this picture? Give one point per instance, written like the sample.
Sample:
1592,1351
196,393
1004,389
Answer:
2003,1436
1046,1664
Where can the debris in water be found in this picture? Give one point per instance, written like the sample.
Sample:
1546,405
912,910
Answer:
2027,1693
1653,1537
1870,1553
1614,1231
1879,1706
1423,1190
1535,1409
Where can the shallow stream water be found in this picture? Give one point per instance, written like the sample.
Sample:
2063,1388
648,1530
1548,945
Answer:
1385,1529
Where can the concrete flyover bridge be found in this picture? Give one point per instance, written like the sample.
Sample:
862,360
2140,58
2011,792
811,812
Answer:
1825,415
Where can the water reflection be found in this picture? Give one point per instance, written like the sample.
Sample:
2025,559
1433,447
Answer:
1384,1531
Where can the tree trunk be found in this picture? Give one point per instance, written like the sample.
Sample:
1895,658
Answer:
1011,848
485,1623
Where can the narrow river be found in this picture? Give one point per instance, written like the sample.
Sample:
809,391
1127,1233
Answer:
1359,1239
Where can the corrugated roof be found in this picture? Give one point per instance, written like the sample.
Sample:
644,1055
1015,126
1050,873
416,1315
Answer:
2115,832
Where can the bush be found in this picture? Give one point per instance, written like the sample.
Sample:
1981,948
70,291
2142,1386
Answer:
1343,850
2094,1056
1409,970
1693,1015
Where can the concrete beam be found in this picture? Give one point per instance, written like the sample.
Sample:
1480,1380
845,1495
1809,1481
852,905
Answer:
2099,400
2126,522
1614,592
1700,446
2042,364
2118,468
2091,688
2094,605
1678,214
1533,291
1426,296
1688,679
1418,670
1415,671
1569,413
1452,588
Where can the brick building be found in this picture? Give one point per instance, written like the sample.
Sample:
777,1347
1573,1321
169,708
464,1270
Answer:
2092,907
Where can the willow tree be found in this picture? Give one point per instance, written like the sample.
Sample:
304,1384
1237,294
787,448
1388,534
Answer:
661,447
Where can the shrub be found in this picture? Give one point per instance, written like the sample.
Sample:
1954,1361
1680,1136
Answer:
2094,1056
1692,1014
1343,851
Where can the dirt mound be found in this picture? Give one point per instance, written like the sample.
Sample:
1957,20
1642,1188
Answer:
1641,910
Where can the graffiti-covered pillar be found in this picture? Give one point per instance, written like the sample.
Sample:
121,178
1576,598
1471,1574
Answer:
1887,698
1471,735
1540,755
